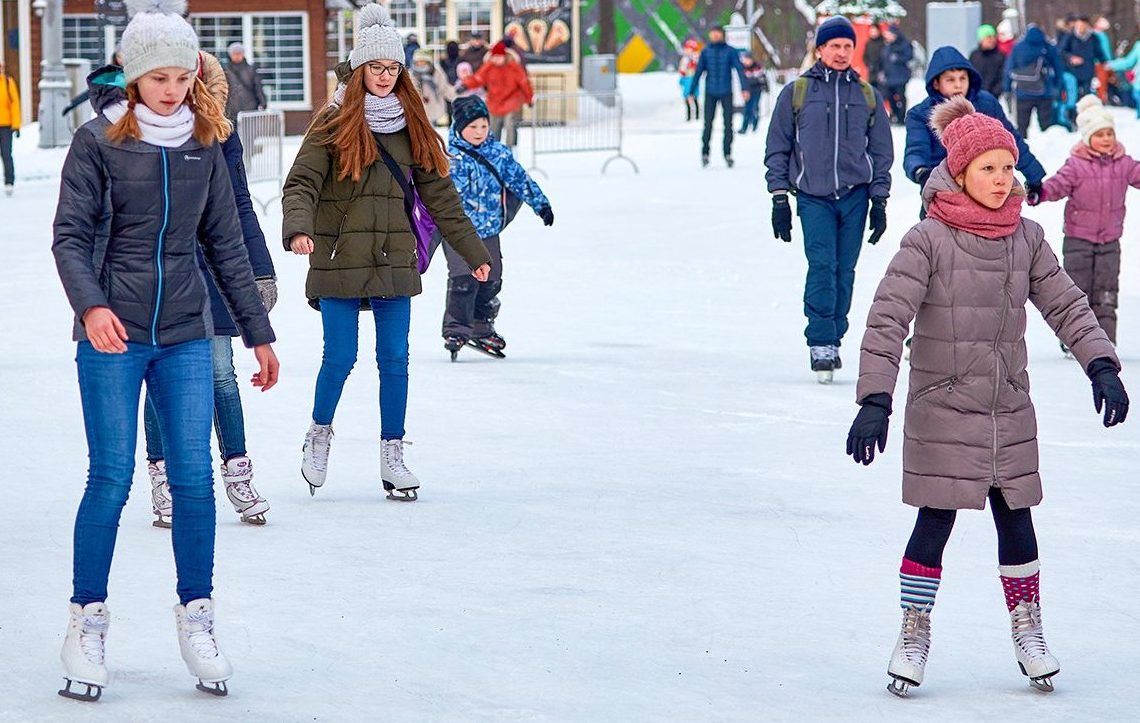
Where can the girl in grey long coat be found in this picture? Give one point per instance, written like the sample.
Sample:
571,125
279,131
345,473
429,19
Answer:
964,276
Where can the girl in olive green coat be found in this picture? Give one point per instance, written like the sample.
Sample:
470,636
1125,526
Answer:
345,210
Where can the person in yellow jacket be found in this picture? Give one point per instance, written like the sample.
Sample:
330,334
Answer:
9,125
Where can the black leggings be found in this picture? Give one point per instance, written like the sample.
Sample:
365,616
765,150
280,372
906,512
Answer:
1017,543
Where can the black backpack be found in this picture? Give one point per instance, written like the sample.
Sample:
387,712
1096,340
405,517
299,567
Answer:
1029,78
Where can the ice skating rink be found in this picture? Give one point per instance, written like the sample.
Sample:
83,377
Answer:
643,514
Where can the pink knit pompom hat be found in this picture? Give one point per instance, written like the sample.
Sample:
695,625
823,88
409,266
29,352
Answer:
968,134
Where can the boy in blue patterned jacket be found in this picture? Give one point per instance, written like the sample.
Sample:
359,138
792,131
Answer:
492,185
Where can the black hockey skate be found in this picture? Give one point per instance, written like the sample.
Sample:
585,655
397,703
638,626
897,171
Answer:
487,346
453,344
90,695
494,340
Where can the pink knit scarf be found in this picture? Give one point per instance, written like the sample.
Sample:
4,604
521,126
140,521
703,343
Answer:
958,210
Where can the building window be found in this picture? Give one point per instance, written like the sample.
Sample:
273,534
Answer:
84,37
473,15
275,43
338,37
403,13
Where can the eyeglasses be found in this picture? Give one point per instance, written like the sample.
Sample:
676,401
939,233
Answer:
375,69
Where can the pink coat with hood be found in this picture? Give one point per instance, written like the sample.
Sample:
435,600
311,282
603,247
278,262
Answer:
1095,185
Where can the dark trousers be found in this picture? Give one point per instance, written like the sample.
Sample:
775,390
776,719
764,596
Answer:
6,155
833,237
896,98
1025,107
692,108
1095,269
751,112
725,103
472,305
1017,542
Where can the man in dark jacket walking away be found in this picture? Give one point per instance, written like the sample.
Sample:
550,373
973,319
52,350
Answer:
245,84
1033,73
873,55
988,61
718,60
894,62
829,143
475,51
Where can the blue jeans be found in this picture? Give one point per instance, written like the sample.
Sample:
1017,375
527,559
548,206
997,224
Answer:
229,422
833,236
341,321
179,380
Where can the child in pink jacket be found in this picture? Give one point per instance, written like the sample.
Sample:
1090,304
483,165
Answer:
1095,179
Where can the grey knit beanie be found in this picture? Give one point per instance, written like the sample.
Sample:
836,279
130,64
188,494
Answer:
157,37
375,37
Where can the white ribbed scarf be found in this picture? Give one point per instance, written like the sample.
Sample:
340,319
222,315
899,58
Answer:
383,115
168,131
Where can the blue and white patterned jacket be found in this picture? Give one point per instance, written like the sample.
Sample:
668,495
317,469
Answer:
480,191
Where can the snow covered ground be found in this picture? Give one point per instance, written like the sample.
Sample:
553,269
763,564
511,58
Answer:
645,513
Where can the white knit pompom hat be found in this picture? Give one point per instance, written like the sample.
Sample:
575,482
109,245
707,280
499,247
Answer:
157,37
375,37
1092,116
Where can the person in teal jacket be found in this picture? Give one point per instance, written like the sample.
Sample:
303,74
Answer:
1125,63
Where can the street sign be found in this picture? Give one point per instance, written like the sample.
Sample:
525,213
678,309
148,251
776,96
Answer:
112,12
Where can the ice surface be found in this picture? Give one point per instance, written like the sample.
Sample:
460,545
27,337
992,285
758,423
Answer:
644,513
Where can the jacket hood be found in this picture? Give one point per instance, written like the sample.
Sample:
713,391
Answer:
941,180
343,71
106,86
1034,36
948,58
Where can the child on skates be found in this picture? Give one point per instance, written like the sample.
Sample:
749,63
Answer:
145,185
1095,179
492,185
757,86
963,276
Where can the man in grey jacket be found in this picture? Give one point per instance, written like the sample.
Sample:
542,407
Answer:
829,143
245,84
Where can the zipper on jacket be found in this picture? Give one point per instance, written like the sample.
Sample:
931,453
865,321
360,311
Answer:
997,361
159,248
835,155
339,231
947,383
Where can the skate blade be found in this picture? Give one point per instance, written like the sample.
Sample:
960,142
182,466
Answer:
410,495
900,687
258,519
163,521
489,351
455,355
86,697
1043,683
218,689
825,377
312,487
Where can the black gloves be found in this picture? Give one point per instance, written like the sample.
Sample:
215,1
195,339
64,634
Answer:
1108,391
1033,193
878,219
869,428
920,176
782,217
547,216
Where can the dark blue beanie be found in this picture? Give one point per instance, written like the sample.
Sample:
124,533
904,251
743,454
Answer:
466,110
832,28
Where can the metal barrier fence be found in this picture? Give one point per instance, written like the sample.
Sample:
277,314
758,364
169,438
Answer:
574,123
262,134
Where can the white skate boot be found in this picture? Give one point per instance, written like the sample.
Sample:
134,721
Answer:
199,648
399,482
908,661
82,653
1033,656
315,455
237,473
160,499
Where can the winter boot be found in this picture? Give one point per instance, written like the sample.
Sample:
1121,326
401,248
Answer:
315,455
399,482
453,344
237,473
199,648
160,500
1033,656
83,649
908,661
822,363
836,361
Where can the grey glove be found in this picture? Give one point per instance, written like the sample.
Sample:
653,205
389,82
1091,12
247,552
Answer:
267,290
